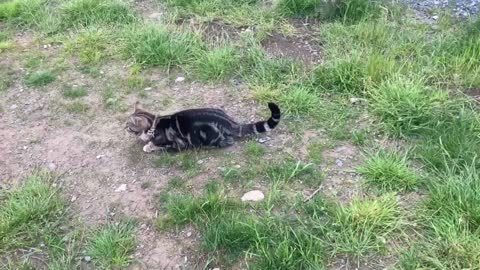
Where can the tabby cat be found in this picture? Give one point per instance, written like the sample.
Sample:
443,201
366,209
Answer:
193,128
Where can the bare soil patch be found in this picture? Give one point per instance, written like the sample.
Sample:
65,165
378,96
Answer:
303,45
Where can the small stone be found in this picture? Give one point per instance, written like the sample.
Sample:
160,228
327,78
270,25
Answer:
339,163
155,15
121,188
13,107
52,166
147,88
100,156
435,17
264,139
200,162
216,268
355,101
143,226
189,234
87,258
45,46
179,79
74,198
253,196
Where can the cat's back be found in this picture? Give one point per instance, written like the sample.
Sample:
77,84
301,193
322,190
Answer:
206,115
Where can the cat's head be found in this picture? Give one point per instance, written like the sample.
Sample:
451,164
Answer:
139,122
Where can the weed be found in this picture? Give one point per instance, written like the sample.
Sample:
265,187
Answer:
112,101
454,142
146,185
74,92
254,149
165,161
341,76
450,217
31,214
289,170
389,171
360,137
6,45
112,245
89,12
9,9
90,45
362,226
315,151
232,175
38,79
78,107
176,183
157,46
217,64
407,107
300,101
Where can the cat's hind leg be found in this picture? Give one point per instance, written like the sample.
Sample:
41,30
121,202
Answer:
225,142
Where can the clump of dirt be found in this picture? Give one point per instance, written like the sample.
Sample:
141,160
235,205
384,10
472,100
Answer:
474,93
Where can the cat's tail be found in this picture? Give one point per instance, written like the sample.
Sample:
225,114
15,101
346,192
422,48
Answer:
262,126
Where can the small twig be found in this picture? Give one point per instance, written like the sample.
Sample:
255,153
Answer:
313,194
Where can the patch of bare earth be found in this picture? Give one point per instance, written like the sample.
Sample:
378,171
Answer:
303,45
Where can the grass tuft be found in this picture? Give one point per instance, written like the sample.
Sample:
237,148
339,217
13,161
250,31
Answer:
157,46
30,213
217,64
89,12
407,107
41,78
112,245
389,171
77,107
9,9
74,92
362,227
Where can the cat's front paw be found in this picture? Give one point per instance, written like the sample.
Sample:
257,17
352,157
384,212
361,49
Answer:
147,148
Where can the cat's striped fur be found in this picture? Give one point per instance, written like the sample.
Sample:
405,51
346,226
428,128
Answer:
194,128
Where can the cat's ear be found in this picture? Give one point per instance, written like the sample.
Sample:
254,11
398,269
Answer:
136,106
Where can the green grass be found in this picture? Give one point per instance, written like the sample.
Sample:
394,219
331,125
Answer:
389,171
363,226
112,100
111,246
9,9
74,92
77,107
254,149
157,46
228,229
31,214
217,64
406,107
450,217
176,183
146,184
93,12
237,13
315,151
90,45
41,78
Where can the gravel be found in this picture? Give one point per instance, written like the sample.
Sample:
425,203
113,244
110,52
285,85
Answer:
461,9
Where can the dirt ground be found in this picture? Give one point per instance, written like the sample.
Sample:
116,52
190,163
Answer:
94,156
